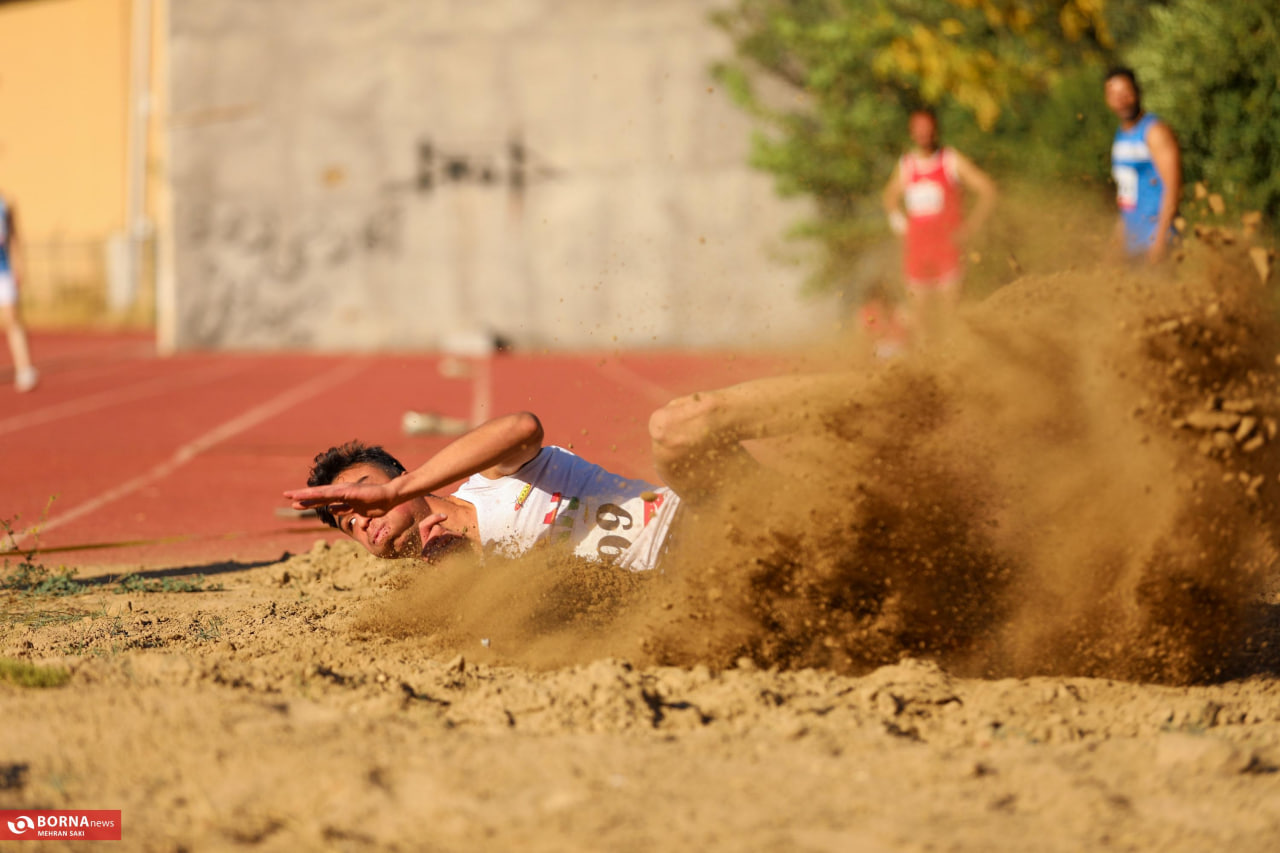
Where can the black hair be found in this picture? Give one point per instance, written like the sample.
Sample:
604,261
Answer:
1127,73
328,465
925,111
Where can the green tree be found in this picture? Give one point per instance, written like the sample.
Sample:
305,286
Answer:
1016,83
1210,68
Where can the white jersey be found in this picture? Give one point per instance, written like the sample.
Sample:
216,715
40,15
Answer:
560,498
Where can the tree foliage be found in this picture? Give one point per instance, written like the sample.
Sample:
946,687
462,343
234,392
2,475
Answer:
1017,85
854,66
1210,68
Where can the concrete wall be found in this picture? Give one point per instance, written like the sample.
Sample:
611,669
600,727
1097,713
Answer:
357,174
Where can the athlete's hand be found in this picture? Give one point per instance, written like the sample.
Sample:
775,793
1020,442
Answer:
440,542
368,499
1159,249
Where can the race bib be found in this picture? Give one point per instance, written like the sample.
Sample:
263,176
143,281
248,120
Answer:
610,528
1126,178
923,198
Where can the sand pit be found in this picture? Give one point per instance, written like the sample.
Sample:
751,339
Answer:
1018,593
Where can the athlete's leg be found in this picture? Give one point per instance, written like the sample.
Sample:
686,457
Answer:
17,333
934,303
11,319
697,440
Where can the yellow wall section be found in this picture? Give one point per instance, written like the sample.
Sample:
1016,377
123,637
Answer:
64,84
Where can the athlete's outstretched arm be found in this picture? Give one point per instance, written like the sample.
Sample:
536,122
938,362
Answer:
495,448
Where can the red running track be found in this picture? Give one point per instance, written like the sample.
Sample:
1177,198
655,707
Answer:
179,462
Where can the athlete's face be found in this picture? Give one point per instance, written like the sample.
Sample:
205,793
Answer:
392,535
1122,98
924,131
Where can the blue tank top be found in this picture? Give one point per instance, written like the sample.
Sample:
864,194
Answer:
1138,185
4,236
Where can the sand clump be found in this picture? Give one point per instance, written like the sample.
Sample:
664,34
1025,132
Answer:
1082,479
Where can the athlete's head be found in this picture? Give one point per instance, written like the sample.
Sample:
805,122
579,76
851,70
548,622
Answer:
1124,96
410,528
332,462
923,129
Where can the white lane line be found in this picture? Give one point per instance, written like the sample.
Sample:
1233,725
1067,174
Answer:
187,452
99,356
657,394
113,397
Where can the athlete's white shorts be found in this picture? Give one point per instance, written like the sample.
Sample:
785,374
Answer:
8,289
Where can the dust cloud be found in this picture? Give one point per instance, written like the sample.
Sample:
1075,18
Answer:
1080,478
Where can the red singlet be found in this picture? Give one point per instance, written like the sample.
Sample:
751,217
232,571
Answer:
931,193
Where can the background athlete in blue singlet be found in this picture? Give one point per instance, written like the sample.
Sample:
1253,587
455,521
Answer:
24,375
1147,167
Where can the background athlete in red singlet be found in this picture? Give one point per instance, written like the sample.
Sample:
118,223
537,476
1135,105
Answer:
924,201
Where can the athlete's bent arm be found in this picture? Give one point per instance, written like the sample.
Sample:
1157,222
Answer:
494,449
981,185
17,251
1168,162
891,198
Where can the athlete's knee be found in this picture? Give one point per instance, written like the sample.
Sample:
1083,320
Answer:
665,428
680,426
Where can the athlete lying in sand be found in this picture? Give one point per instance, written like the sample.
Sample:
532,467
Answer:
519,493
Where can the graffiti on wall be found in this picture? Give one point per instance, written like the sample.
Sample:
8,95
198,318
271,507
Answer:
512,165
267,274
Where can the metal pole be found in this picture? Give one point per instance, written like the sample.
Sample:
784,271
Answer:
137,227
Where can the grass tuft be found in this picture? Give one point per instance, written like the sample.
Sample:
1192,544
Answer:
137,583
22,674
31,577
